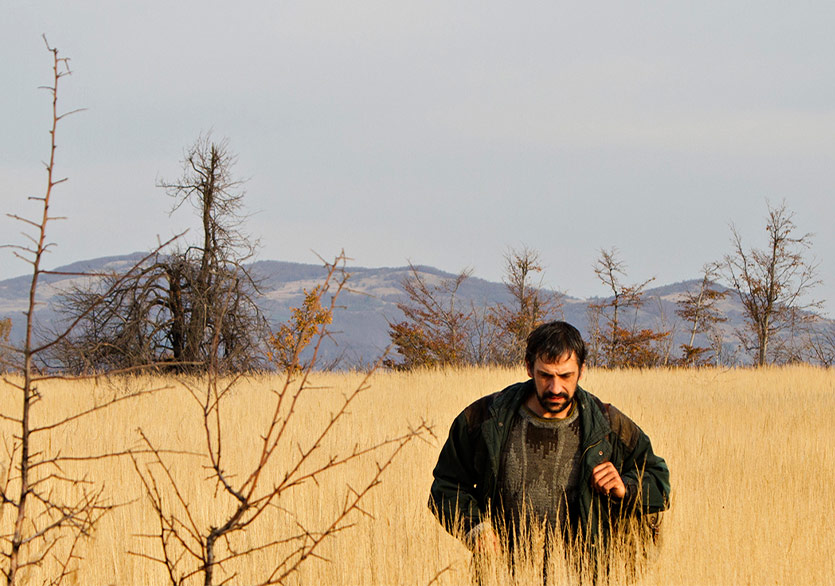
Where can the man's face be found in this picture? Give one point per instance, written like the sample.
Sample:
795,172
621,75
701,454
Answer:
556,383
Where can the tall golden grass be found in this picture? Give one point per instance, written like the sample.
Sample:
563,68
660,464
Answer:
751,453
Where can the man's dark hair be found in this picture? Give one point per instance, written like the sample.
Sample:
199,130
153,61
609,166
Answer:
552,341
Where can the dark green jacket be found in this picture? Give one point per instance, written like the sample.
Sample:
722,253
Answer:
467,474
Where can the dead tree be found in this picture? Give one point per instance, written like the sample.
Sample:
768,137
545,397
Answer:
45,511
595,342
483,343
623,343
191,551
796,342
5,344
531,304
184,304
772,283
436,329
699,309
208,275
822,344
663,345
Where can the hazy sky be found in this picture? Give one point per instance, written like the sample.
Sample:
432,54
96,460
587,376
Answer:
440,132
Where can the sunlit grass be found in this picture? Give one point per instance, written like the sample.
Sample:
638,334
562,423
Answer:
751,454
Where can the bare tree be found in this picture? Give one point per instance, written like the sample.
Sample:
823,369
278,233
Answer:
663,345
176,307
623,343
594,312
773,283
698,308
190,550
484,336
531,304
796,341
822,344
716,337
5,344
45,511
436,330
212,273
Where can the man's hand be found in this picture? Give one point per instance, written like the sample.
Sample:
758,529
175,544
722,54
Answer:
606,480
487,543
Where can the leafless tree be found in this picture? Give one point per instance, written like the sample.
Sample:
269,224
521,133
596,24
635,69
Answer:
484,336
594,312
610,269
5,344
663,345
174,309
531,304
437,327
190,550
716,339
623,342
822,344
796,341
212,273
45,511
773,283
699,309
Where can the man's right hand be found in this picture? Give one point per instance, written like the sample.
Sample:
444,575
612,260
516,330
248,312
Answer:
487,543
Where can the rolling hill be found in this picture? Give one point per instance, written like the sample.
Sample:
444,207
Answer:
367,307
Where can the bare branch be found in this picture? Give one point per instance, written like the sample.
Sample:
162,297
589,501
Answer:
189,549
773,283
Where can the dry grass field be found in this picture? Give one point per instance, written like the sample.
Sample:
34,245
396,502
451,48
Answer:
751,453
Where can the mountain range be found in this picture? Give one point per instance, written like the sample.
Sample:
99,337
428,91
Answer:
367,307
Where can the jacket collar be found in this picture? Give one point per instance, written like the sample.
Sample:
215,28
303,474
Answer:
595,424
507,402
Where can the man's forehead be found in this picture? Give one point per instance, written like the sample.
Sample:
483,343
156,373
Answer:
566,362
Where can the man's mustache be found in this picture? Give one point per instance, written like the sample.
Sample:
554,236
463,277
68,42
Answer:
561,395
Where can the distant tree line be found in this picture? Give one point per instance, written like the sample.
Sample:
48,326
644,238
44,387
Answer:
439,330
193,305
774,283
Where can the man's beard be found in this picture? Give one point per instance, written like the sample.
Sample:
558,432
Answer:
552,408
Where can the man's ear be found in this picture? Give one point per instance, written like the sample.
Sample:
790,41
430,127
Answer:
582,372
529,366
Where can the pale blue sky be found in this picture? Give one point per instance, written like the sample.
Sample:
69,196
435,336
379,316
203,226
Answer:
438,132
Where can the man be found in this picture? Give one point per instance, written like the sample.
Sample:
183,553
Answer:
546,452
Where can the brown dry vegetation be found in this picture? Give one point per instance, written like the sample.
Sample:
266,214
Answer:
751,452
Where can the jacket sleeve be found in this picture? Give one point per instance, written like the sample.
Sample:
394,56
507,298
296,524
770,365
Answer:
644,473
456,496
